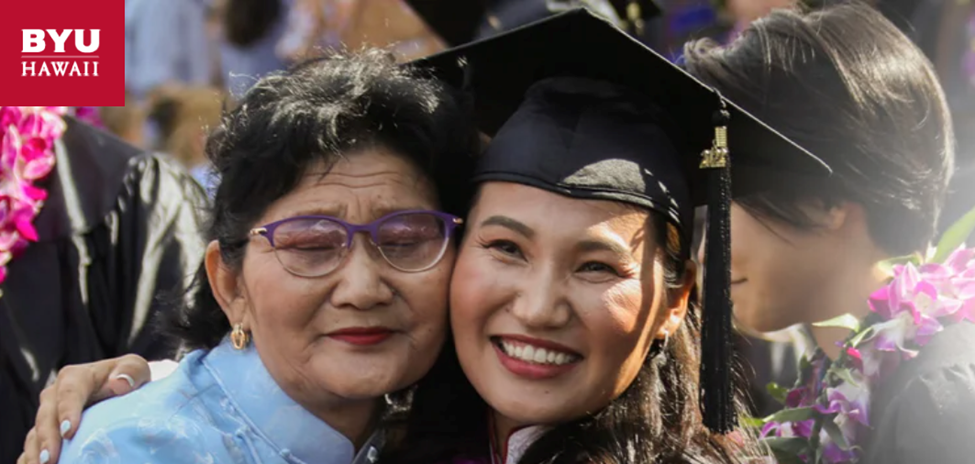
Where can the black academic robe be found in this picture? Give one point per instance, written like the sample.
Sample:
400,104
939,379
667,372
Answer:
925,413
119,230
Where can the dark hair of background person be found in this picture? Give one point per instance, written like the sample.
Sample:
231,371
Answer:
657,419
846,84
317,112
248,21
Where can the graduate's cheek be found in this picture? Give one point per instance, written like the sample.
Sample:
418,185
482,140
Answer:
479,288
618,323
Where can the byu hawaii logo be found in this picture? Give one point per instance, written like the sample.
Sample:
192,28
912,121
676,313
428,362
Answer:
40,60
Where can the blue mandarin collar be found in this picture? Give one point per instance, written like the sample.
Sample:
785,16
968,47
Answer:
286,426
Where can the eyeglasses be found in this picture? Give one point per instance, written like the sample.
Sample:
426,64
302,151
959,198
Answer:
312,246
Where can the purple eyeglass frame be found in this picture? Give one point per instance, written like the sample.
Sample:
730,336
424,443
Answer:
372,228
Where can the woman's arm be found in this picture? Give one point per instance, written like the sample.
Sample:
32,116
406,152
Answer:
75,388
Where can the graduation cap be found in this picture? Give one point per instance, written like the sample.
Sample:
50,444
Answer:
461,21
576,106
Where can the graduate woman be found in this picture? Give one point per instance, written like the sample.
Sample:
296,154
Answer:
572,304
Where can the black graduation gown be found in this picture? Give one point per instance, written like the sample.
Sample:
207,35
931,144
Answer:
120,229
925,413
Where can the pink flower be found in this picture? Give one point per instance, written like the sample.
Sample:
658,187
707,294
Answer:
832,453
801,429
855,358
850,400
9,115
26,155
913,307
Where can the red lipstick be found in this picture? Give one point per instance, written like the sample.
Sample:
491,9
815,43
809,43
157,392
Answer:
362,336
530,369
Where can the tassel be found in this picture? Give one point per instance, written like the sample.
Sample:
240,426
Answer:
717,396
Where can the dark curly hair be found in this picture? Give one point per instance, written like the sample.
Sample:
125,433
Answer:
317,112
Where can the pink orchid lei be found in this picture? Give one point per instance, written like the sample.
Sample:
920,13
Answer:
26,157
827,412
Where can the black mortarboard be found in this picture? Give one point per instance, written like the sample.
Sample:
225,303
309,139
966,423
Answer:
461,21
577,107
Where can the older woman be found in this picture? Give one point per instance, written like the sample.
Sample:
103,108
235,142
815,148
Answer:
574,278
324,287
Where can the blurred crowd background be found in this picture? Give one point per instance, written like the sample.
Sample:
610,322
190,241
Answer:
187,59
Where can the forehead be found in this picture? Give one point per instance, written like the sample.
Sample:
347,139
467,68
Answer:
373,179
548,211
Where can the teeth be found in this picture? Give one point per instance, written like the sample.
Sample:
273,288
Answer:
535,354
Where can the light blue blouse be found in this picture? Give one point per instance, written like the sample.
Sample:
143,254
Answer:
219,406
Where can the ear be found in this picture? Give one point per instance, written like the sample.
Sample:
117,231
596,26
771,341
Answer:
225,285
678,300
830,218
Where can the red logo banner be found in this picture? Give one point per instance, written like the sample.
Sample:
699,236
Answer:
62,53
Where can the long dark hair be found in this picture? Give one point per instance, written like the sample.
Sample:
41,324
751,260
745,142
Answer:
845,83
656,420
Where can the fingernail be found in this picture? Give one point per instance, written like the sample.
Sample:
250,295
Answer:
65,426
45,456
127,378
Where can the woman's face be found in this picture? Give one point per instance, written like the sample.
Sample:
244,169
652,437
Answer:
779,271
555,302
295,321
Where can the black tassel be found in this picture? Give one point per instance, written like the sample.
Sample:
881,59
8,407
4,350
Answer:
717,396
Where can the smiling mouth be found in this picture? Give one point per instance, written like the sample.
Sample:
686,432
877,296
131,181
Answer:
534,354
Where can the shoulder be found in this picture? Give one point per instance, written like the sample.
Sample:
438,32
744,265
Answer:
156,176
925,410
165,421
942,375
150,439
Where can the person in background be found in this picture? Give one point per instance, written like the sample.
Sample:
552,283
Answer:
248,34
316,26
312,25
125,122
847,84
166,42
185,116
117,233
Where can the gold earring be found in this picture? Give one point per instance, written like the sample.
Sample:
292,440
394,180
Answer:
238,337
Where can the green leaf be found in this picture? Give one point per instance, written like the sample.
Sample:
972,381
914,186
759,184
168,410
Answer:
777,391
954,237
784,457
792,415
787,449
860,336
835,434
752,422
844,374
887,265
846,321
